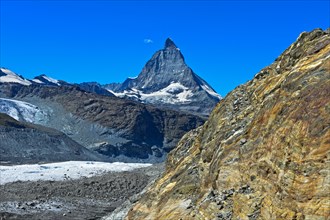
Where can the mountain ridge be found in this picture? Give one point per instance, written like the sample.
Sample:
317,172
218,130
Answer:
165,81
123,130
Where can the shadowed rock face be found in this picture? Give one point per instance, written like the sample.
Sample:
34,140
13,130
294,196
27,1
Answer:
121,129
263,153
28,143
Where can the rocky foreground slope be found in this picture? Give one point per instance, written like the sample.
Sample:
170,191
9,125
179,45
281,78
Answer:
263,153
22,143
74,199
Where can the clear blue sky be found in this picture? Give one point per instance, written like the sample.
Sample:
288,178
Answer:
225,42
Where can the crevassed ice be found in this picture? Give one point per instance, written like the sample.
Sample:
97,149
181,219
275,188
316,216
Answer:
21,110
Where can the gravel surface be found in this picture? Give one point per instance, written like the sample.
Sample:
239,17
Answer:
86,198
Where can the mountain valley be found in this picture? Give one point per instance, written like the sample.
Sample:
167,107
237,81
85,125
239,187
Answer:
171,101
261,152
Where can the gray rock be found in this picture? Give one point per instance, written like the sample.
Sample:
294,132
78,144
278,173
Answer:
28,143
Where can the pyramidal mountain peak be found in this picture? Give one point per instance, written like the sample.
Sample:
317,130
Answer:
169,44
167,80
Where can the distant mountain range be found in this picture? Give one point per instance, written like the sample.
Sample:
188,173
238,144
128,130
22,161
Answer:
166,81
118,120
8,76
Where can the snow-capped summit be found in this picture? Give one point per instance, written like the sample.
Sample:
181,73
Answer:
168,81
46,80
7,76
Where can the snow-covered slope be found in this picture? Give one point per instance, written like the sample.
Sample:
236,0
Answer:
7,76
46,80
22,111
173,93
62,171
166,80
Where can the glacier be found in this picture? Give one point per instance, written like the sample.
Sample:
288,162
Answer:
63,170
22,111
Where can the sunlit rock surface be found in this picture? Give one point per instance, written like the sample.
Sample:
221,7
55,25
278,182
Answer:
263,153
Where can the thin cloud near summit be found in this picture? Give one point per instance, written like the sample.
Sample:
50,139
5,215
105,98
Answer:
148,41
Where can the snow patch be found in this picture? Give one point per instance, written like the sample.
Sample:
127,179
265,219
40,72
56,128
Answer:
37,81
172,94
210,91
133,77
62,171
49,79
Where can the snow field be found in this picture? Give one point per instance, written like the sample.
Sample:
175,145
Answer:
62,171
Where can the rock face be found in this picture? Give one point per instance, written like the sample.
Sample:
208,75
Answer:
167,81
122,129
263,153
94,87
28,143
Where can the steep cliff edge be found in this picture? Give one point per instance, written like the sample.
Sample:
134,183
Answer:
263,153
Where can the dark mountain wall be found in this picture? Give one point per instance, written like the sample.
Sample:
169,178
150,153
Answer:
119,128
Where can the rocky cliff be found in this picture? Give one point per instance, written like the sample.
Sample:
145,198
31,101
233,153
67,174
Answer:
263,153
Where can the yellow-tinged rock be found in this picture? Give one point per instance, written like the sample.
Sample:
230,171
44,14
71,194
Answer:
263,153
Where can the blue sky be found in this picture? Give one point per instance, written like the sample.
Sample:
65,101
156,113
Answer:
224,42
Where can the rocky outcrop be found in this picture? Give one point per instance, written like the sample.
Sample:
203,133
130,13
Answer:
27,143
166,80
94,87
263,153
